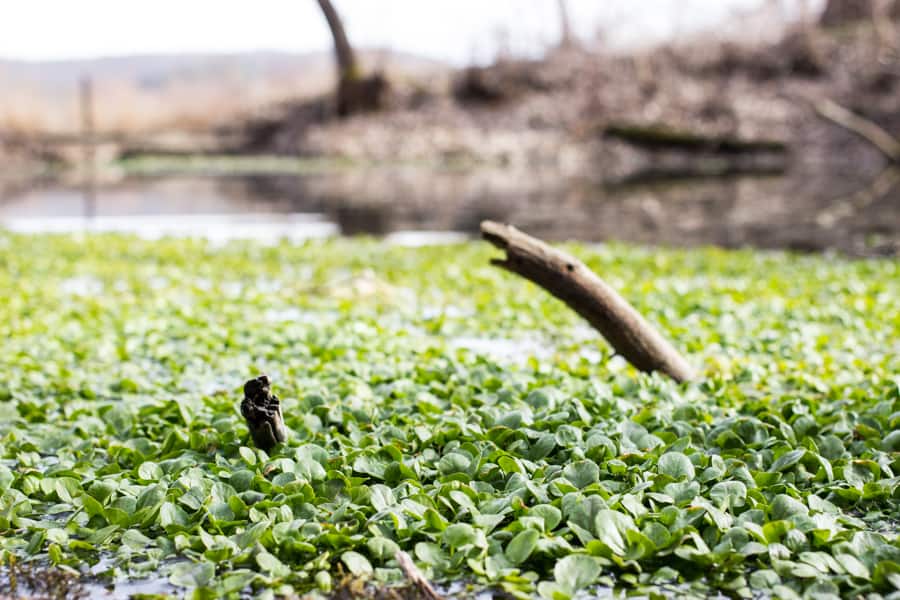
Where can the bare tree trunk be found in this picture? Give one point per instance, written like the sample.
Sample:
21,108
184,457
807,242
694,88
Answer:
566,39
354,93
89,147
803,11
343,51
583,291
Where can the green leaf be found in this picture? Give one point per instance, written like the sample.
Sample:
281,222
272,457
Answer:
611,528
774,531
788,460
220,511
382,497
172,517
357,564
150,471
309,469
550,590
430,553
237,581
784,507
891,442
454,463
102,490
487,523
853,566
248,455
729,494
860,472
382,548
459,535
270,564
576,572
242,480
764,579
135,540
119,419
91,506
6,478
582,473
191,574
550,515
520,547
370,465
676,465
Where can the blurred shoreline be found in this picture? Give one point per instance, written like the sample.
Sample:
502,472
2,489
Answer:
554,113
670,119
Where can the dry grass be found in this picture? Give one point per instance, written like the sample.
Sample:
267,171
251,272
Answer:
125,108
27,580
193,94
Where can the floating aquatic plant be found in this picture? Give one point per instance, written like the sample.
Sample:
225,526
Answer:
544,473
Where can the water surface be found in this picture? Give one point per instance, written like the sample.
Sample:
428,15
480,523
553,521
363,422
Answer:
418,206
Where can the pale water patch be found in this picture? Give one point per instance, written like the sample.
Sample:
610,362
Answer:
82,286
217,228
296,315
504,350
124,590
449,312
419,239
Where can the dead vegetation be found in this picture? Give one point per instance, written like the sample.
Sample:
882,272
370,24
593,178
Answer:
350,587
27,581
552,113
796,55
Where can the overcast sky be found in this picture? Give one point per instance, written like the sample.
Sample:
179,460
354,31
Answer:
451,30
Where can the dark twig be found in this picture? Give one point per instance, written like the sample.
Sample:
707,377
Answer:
262,411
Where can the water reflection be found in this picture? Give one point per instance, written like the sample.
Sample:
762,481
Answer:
765,212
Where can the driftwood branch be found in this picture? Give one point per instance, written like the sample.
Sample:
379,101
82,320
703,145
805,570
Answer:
262,411
571,281
664,137
864,128
415,577
874,191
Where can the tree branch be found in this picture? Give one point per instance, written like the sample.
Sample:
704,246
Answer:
864,128
571,281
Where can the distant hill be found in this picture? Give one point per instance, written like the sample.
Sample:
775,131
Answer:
155,70
178,90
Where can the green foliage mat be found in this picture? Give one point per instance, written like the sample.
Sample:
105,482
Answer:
445,408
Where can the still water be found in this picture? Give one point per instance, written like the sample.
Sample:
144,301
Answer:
413,207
